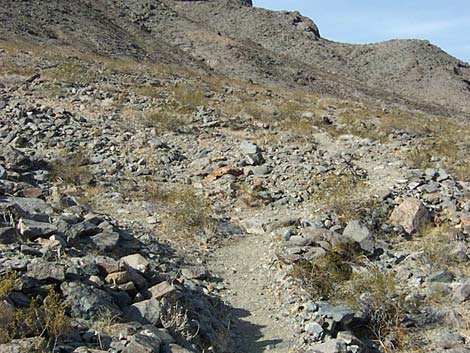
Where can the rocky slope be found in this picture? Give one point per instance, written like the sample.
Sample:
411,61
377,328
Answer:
236,39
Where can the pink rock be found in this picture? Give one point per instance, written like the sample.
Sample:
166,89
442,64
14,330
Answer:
411,215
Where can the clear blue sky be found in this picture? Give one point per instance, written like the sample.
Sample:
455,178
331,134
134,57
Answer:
445,23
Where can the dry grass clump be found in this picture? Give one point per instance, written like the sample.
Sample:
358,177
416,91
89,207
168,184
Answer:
165,121
344,194
186,214
322,276
47,320
435,244
376,294
72,169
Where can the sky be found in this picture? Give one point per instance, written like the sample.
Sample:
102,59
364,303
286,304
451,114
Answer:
445,23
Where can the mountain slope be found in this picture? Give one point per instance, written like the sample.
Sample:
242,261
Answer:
235,39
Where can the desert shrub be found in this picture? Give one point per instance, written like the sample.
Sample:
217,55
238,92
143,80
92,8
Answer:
186,214
344,194
188,98
435,244
165,121
321,276
48,320
72,169
188,211
375,293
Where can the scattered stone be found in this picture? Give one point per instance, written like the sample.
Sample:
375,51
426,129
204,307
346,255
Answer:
142,343
7,235
340,314
105,241
89,303
252,152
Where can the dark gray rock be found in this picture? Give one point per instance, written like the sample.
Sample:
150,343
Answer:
143,343
46,271
33,229
7,235
105,241
441,276
87,302
340,314
30,208
145,312
82,229
252,153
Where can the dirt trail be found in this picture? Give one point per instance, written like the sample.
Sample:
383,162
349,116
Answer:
257,325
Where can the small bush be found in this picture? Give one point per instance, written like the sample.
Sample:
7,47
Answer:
72,169
165,121
48,320
344,194
375,293
185,212
322,276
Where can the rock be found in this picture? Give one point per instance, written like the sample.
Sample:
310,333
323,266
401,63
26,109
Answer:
118,278
462,293
145,312
319,235
194,272
7,235
441,276
31,208
411,215
252,152
46,271
315,330
359,233
161,290
105,241
34,229
142,343
340,314
253,226
220,172
106,264
3,172
136,262
174,348
331,346
24,345
87,302
82,229
84,349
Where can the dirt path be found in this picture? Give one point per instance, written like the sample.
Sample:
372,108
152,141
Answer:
257,324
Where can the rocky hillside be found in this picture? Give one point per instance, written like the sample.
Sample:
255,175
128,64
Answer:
233,38
167,187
